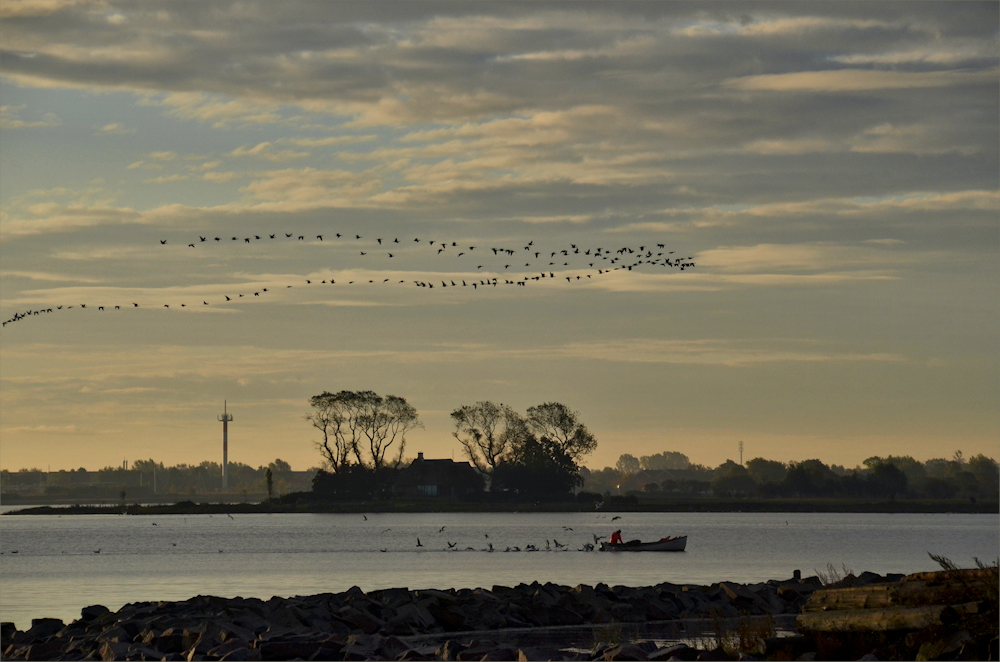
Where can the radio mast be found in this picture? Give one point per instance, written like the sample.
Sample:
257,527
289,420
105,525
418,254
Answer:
225,417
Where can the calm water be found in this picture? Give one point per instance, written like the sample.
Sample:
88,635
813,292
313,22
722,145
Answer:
56,571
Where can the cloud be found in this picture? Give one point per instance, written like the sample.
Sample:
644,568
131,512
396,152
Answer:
799,257
10,118
71,217
222,113
309,185
578,218
166,179
943,52
859,80
36,8
263,151
721,352
46,276
163,156
785,147
114,129
332,140
801,25
46,429
222,177
912,139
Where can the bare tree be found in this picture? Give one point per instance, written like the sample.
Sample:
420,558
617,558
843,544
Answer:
562,426
487,431
362,425
338,442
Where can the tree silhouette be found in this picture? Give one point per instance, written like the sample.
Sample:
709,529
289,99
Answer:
362,427
561,426
627,464
487,432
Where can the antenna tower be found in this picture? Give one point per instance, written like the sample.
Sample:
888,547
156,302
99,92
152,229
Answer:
741,453
225,417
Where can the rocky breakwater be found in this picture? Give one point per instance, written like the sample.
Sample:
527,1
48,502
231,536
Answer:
400,624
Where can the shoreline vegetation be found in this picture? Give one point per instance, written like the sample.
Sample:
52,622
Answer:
442,504
949,614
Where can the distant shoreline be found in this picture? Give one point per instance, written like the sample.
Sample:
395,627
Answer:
437,505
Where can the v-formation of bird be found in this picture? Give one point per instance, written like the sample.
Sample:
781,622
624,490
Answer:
584,263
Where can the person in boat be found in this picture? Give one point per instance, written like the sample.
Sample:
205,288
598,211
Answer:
616,538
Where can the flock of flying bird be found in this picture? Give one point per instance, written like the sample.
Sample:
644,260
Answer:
580,263
550,545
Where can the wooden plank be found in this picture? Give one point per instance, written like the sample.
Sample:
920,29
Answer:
911,594
939,576
881,620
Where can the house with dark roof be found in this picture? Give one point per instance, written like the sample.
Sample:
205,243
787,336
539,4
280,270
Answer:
438,478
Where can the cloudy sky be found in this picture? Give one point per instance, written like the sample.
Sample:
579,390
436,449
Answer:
830,168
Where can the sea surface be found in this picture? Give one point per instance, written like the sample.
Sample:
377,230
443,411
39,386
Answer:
52,565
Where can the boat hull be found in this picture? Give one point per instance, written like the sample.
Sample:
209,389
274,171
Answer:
673,545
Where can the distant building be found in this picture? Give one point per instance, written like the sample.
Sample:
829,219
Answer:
438,478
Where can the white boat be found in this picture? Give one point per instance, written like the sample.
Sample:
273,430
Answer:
663,545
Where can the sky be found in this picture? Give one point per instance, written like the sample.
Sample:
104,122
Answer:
830,169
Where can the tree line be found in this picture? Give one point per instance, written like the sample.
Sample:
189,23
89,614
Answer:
534,455
672,473
144,478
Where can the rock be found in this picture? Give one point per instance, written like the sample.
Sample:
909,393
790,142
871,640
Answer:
115,633
48,650
449,650
242,654
114,650
359,619
42,628
93,611
419,653
288,650
228,647
718,653
449,618
14,652
502,652
868,657
7,631
674,652
168,643
540,653
417,617
487,651
626,652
